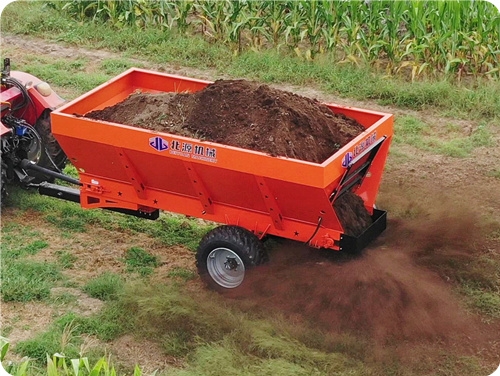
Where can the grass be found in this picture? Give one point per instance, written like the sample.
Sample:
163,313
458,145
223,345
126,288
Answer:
107,286
484,301
448,140
459,145
31,249
495,173
63,338
209,357
14,234
477,100
24,280
205,331
55,340
59,71
182,273
170,229
66,259
140,261
63,299
410,130
108,324
480,282
114,67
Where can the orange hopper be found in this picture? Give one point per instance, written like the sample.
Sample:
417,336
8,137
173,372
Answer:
253,194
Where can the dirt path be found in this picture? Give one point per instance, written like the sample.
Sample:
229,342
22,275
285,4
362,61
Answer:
447,209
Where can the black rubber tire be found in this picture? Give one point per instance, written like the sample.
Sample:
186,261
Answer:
51,151
3,181
239,240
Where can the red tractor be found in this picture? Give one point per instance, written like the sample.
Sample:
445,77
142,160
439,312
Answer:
25,130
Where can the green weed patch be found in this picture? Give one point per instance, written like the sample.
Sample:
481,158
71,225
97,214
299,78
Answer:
24,281
182,273
31,249
66,259
107,286
140,261
15,234
447,140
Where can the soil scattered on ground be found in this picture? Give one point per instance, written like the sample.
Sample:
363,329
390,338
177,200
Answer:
241,113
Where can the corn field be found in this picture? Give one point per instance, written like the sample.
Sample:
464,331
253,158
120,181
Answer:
414,37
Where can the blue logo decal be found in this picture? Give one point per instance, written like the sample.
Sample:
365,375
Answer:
158,143
347,159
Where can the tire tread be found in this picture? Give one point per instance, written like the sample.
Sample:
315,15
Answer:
250,247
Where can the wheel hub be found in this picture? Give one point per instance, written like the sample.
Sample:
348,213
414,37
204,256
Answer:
225,267
231,263
34,147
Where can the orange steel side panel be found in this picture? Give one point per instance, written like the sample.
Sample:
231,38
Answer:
133,168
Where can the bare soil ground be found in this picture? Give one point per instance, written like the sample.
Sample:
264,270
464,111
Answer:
401,294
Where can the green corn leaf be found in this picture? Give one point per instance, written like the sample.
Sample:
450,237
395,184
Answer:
85,362
137,371
51,367
4,348
23,368
75,363
97,368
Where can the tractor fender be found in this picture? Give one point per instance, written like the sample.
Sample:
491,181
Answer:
44,99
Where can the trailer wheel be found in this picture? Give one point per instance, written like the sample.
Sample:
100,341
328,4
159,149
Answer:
224,255
52,156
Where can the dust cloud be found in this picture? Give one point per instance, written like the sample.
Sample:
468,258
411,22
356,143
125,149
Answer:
396,291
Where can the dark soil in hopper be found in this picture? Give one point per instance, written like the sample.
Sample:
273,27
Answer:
248,115
244,114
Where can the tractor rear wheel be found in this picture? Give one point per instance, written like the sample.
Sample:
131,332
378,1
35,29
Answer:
225,254
52,156
3,180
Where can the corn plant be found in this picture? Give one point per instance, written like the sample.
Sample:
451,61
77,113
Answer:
11,368
414,37
314,17
59,365
218,19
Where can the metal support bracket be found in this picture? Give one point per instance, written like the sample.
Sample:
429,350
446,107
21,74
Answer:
271,203
132,174
200,189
